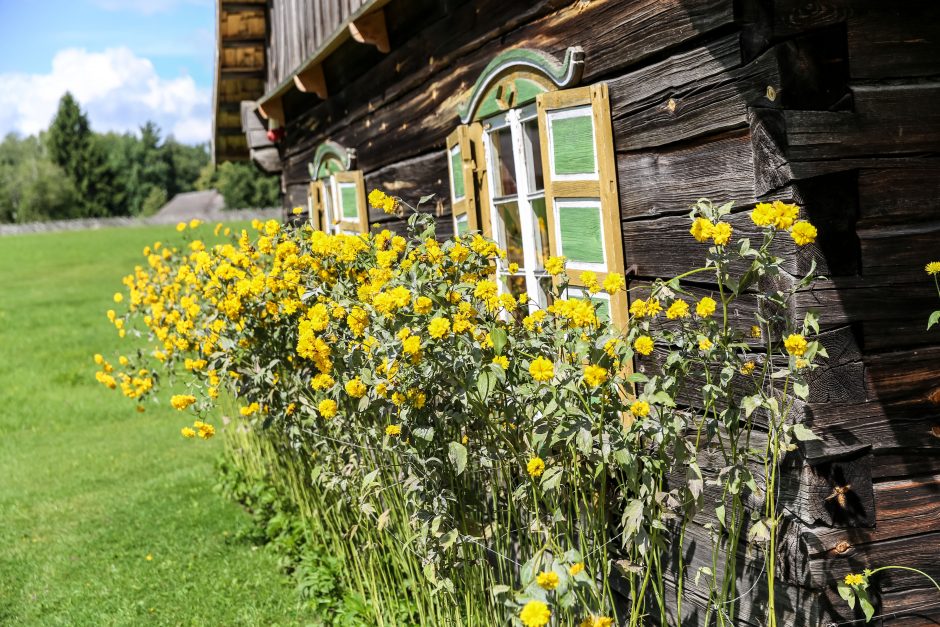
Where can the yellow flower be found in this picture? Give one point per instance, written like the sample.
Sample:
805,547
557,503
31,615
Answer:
542,369
206,431
597,621
555,265
795,344
705,307
249,410
614,283
801,363
576,569
377,198
704,344
535,614
803,233
393,430
423,304
678,309
755,331
594,375
854,579
721,234
535,467
638,308
502,361
643,345
438,328
640,409
547,579
182,401
933,267
589,280
194,223
784,215
322,381
702,229
188,432
513,268
355,388
327,408
118,297
653,307
748,367
411,345
763,214
296,211
181,227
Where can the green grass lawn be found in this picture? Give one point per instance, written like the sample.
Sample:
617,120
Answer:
89,488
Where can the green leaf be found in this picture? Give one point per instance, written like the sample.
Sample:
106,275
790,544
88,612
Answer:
500,589
552,478
425,199
845,591
585,441
498,336
720,515
801,389
632,517
750,403
457,454
866,605
662,398
803,433
486,383
933,319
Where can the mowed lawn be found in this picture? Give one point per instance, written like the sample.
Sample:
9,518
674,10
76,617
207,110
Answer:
107,515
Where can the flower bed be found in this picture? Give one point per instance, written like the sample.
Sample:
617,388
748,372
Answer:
498,459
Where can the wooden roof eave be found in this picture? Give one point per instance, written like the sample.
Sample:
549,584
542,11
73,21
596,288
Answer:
339,36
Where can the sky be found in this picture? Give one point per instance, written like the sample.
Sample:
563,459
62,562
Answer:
125,61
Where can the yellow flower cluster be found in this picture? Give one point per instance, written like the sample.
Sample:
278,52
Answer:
704,229
380,200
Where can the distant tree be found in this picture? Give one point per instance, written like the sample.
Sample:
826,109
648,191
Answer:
154,201
32,187
73,148
241,184
185,164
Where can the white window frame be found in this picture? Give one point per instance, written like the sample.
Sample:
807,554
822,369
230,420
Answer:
580,202
329,200
514,119
572,112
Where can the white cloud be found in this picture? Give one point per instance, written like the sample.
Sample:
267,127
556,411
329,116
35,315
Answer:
119,91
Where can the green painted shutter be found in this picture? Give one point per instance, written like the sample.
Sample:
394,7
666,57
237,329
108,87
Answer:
573,150
579,228
456,172
347,193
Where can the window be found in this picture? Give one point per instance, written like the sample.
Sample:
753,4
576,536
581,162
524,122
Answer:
517,207
460,167
336,197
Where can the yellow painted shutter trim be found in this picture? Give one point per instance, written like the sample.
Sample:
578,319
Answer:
353,183
583,183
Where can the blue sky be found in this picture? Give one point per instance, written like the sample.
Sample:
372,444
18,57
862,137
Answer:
126,61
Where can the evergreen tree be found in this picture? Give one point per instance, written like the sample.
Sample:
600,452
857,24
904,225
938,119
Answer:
73,147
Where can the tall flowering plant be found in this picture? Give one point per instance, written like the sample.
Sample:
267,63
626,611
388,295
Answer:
510,441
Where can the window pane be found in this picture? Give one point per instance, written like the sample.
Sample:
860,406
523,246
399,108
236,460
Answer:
504,163
580,231
514,284
461,225
510,231
456,173
541,230
533,155
573,144
348,200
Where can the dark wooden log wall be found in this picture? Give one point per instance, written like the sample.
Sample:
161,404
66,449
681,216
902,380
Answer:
832,104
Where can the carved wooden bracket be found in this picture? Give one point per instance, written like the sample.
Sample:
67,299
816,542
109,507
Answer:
312,80
273,110
370,29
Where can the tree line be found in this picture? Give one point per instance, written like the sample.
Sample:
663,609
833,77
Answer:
70,171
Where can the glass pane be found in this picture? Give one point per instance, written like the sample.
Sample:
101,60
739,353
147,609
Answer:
580,231
504,163
462,225
510,231
541,231
456,173
533,155
514,284
348,200
573,144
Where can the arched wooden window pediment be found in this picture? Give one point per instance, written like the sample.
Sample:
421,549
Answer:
336,195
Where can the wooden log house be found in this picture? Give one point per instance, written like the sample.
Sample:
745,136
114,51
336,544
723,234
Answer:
588,128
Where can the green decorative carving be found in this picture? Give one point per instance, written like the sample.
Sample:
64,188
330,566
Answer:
535,71
330,158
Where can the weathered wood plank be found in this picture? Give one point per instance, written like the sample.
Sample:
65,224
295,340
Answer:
893,196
